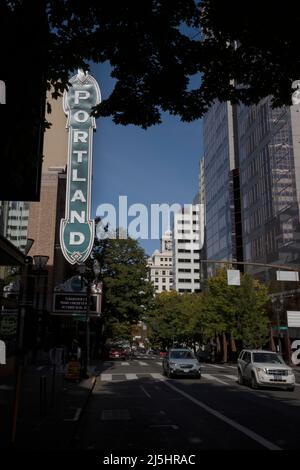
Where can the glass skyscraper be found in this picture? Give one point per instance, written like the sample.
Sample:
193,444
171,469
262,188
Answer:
219,162
269,196
252,184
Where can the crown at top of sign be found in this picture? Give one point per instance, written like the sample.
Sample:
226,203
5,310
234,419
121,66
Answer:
82,75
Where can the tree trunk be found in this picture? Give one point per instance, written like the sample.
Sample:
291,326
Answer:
232,343
225,349
273,347
218,344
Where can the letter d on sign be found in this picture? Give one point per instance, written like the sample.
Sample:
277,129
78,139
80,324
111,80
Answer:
76,238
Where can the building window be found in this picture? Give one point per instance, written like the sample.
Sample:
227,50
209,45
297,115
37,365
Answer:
156,279
164,280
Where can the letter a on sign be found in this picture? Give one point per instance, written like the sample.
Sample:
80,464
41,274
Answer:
77,228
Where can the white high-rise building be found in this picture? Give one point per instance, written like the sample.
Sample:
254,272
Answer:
187,242
14,222
160,265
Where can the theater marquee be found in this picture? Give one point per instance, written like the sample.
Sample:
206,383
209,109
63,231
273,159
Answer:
77,228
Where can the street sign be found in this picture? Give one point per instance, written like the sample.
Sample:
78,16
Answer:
280,327
233,277
291,276
77,228
293,318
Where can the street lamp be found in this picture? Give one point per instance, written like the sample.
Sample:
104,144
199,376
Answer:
40,261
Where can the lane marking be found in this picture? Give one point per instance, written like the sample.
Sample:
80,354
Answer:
131,376
6,387
212,377
40,368
76,416
145,391
253,435
173,426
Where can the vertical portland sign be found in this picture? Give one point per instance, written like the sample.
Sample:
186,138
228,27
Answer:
77,228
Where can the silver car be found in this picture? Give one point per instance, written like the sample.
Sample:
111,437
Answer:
264,369
181,362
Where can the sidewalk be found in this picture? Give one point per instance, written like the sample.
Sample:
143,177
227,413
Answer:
47,420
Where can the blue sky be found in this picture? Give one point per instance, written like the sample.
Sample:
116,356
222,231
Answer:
157,165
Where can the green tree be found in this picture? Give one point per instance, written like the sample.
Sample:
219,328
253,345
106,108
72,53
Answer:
252,322
173,319
127,293
154,47
248,48
163,320
236,312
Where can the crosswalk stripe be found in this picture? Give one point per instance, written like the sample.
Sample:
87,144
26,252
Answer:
155,375
106,377
142,363
131,376
214,365
212,377
233,377
159,363
125,364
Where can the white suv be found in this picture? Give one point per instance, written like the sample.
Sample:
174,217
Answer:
264,368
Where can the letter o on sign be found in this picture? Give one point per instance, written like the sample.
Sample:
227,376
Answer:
81,116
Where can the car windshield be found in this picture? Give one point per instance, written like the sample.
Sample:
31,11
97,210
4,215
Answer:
267,357
181,355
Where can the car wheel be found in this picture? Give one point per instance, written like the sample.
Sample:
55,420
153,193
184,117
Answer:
254,383
240,378
169,374
198,376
